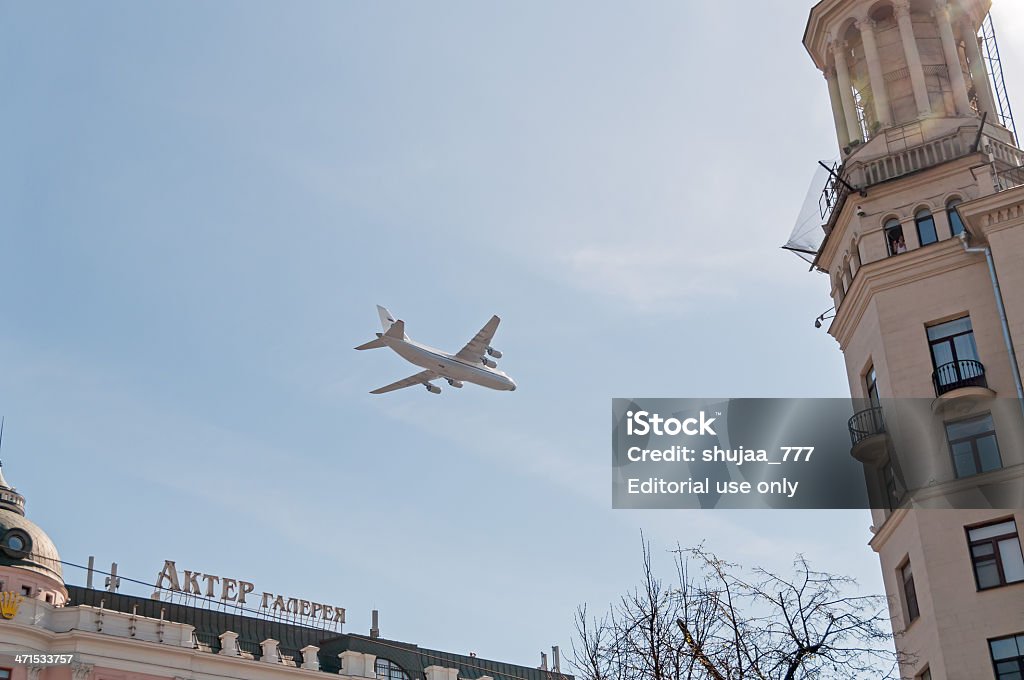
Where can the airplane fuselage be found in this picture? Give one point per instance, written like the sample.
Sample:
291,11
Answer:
447,366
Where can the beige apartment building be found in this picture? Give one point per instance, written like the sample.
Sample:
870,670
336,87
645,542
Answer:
924,245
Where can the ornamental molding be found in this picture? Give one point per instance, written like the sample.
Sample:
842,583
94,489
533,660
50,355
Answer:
81,671
1003,215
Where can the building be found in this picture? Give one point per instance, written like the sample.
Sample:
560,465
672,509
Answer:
72,632
923,243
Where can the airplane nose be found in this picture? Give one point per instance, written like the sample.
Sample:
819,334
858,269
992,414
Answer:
513,388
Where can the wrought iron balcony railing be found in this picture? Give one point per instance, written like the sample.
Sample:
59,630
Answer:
957,374
866,423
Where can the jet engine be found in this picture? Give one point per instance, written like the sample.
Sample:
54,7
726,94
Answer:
488,363
454,383
433,389
494,353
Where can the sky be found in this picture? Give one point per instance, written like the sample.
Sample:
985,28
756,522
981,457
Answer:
201,203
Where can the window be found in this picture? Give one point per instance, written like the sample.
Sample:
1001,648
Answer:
925,227
5,673
872,386
894,237
892,487
909,593
26,591
972,442
1008,657
955,356
956,225
389,670
995,554
926,674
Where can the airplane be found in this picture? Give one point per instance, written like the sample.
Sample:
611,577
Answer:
471,363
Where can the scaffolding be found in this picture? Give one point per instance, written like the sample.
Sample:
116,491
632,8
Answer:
990,50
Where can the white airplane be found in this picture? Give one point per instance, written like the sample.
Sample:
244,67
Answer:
470,364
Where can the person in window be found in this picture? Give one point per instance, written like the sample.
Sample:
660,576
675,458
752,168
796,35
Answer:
901,245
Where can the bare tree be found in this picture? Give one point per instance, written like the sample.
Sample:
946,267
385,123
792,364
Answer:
719,621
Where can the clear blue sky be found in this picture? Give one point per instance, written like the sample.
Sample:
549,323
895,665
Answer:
200,204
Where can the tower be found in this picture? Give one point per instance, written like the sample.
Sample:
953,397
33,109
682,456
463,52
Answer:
30,566
923,243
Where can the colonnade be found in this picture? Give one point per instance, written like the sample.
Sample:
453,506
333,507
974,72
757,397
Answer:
848,126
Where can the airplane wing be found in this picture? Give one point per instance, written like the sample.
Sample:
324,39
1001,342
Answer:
421,378
476,347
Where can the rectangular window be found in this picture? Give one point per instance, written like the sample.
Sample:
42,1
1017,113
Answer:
872,385
1008,657
995,554
972,442
26,591
5,673
892,488
955,356
909,593
926,674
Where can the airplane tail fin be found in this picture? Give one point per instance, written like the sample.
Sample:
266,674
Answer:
386,318
397,330
388,322
373,344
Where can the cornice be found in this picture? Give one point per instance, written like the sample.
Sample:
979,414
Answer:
888,528
994,212
894,272
145,656
918,182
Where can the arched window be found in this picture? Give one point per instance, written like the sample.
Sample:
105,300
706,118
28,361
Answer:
925,227
956,225
894,241
389,670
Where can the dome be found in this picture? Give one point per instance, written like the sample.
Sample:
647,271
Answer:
25,546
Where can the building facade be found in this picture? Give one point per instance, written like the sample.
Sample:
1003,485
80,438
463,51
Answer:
50,630
924,248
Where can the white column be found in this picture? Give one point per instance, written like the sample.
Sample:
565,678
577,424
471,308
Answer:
269,651
956,73
845,90
913,56
867,36
979,75
310,660
229,643
842,134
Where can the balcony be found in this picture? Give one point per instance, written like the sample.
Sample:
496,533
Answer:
958,374
1009,178
868,435
866,423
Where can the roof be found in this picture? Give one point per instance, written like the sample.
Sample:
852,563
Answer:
209,624
42,557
